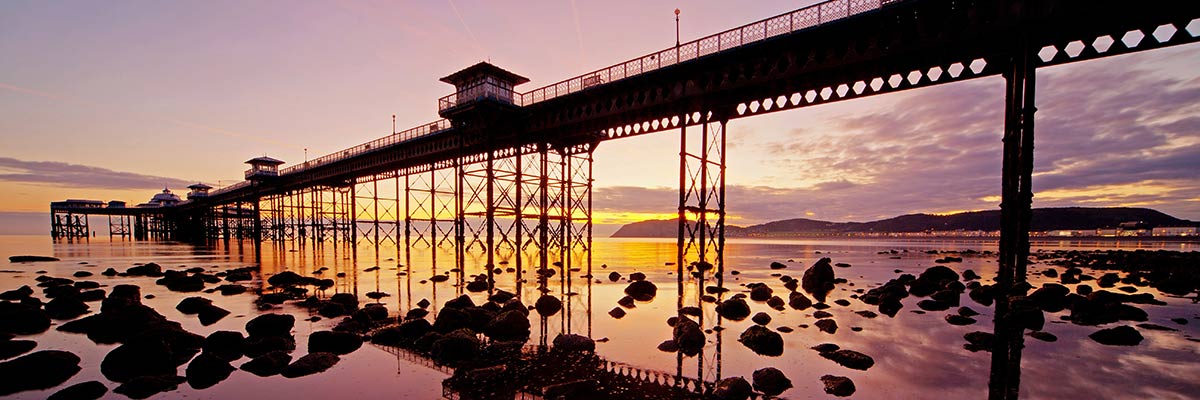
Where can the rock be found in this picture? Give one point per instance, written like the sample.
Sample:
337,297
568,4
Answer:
145,386
777,265
285,279
734,309
268,364
614,276
1180,321
477,286
91,295
821,314
668,346
311,363
1051,297
799,301
762,341
347,300
226,345
207,370
839,386
617,312
572,343
66,308
13,348
259,345
688,336
967,311
1119,336
22,319
970,275
760,292
978,340
933,305
1025,313
641,290
842,302
761,318
1043,336
637,276
826,347
456,346
510,325
149,269
733,388
818,279
38,370
31,259
90,390
867,313
271,325
158,351
955,319
827,325
626,302
231,289
547,305
339,343
771,381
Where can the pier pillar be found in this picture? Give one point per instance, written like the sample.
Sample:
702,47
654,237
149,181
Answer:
1015,214
701,234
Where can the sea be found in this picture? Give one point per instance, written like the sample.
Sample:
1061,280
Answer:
916,355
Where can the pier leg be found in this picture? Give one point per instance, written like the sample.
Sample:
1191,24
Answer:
701,237
1015,214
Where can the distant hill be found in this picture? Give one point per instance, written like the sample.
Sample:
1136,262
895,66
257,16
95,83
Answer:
1044,219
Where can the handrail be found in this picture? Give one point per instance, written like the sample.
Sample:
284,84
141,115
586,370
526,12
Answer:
804,18
389,140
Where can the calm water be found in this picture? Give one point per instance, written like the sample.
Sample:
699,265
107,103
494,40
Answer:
916,356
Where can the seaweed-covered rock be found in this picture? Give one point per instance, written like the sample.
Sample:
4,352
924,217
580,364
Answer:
818,279
762,341
268,364
839,386
734,309
311,363
38,370
771,381
732,388
90,390
850,359
334,342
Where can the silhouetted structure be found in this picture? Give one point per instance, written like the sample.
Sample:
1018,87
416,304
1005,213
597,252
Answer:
508,172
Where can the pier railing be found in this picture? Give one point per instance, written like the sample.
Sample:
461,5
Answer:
804,18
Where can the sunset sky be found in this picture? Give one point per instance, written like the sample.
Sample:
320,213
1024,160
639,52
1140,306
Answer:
114,100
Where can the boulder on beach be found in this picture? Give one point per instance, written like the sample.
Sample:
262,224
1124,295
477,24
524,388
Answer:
850,359
226,345
762,341
1118,336
978,340
90,390
827,325
839,386
206,371
311,363
799,301
771,381
734,309
456,346
31,259
547,305
157,351
572,343
22,319
66,308
38,370
339,343
761,318
11,348
818,279
732,388
143,387
688,336
271,325
508,325
268,364
641,290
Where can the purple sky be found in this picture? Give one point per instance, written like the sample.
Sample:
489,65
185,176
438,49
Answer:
113,100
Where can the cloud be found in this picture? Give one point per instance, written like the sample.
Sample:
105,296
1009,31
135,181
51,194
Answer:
53,173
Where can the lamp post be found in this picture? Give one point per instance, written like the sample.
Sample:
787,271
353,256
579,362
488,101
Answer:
677,29
393,124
